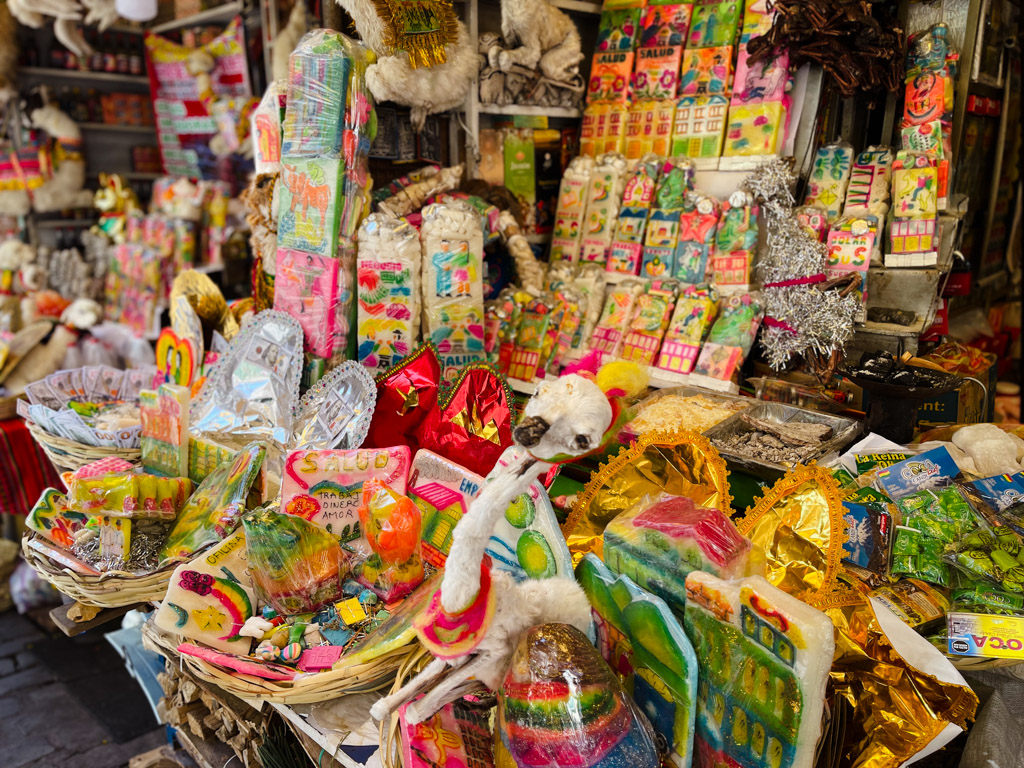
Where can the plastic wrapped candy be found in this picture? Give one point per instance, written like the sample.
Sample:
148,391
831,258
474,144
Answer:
214,509
391,524
323,189
763,659
627,244
642,341
127,494
604,196
562,705
572,208
661,540
830,176
453,303
388,277
619,306
297,566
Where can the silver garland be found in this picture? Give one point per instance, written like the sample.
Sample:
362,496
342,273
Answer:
821,322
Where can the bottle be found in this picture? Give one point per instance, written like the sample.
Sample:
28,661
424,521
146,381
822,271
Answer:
136,64
122,56
70,59
94,106
96,59
57,55
109,55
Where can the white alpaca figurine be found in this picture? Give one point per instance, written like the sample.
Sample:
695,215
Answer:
65,188
287,39
425,90
544,35
565,419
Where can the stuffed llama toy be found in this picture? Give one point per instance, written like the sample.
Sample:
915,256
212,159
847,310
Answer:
544,35
287,39
480,613
67,18
424,89
65,188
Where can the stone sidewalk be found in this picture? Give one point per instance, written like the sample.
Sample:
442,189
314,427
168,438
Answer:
41,724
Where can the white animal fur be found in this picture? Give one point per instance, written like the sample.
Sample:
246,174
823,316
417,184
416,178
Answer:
287,39
65,188
425,90
544,34
578,414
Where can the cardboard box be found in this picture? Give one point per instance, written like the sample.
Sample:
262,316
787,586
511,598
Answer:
994,637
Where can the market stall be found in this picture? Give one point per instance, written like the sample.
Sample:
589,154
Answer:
631,387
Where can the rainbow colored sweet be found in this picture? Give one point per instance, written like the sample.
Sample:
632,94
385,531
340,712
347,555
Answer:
657,545
562,705
297,566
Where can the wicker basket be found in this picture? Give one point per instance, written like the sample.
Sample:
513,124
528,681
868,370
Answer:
390,740
108,590
343,679
68,455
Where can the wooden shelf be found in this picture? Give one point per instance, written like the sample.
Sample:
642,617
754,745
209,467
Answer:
222,13
516,109
59,223
114,127
78,74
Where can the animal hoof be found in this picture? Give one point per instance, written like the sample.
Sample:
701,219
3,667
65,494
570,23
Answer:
413,715
505,62
493,55
380,710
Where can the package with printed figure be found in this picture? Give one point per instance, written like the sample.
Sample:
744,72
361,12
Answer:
296,566
388,271
453,299
323,189
391,524
619,307
604,196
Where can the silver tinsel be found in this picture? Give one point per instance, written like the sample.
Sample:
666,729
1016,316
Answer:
821,322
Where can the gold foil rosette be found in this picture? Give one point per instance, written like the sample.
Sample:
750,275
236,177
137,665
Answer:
897,709
681,464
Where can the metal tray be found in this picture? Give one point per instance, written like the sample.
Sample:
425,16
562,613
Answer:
685,391
844,430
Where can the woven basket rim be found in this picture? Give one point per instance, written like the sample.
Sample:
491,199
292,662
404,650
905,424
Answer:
107,590
373,675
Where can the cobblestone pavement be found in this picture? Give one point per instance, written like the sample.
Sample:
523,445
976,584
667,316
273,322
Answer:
41,724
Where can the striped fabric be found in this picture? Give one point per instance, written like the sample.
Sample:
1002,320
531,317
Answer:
24,469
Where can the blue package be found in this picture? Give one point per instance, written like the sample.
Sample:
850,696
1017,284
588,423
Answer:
931,469
999,491
868,533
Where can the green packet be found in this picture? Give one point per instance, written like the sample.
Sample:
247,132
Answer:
843,477
867,461
869,497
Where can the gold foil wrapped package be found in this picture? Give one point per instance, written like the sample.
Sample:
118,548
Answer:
679,464
897,708
206,299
